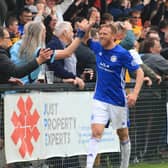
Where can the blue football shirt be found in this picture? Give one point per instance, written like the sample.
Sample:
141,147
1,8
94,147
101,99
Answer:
111,66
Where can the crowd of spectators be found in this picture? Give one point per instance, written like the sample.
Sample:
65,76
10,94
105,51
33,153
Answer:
142,29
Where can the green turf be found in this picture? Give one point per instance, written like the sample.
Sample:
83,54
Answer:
149,165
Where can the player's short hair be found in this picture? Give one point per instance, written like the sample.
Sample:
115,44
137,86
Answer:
112,26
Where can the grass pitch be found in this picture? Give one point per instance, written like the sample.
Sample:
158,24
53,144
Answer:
150,165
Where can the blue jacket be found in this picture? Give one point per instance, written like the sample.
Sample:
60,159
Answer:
58,65
14,52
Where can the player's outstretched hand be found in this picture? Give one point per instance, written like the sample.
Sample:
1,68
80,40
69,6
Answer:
84,25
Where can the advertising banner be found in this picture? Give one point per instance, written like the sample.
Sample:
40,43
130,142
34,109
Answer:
167,123
41,125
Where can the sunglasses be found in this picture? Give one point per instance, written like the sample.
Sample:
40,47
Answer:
135,17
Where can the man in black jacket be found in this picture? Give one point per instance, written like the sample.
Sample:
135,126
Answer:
8,69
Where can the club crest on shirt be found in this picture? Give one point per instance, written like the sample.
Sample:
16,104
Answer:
113,58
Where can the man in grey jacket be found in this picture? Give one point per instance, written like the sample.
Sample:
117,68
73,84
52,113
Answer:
151,56
154,131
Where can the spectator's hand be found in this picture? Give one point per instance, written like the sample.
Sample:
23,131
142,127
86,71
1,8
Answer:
53,10
87,74
40,8
1,143
128,4
165,77
44,55
148,81
84,25
108,1
93,17
131,99
16,81
158,79
79,82
69,80
86,1
145,2
78,2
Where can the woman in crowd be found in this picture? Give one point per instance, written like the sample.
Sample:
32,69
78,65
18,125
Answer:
27,48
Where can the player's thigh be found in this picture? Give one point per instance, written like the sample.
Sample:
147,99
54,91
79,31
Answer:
97,130
100,113
119,116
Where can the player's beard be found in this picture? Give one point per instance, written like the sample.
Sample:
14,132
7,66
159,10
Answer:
105,43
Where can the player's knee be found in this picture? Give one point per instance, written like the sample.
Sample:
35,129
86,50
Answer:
123,138
123,134
97,133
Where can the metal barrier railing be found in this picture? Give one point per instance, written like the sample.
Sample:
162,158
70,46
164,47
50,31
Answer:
148,130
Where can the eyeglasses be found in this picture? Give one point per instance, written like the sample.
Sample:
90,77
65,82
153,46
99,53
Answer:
27,16
54,20
135,17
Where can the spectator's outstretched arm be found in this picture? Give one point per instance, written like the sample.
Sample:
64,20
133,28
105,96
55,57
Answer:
60,54
84,27
9,69
162,65
64,5
148,72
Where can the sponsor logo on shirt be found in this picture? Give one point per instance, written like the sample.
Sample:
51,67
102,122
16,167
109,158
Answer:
105,67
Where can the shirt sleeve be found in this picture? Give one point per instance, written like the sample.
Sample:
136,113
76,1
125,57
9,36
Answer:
94,46
128,62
